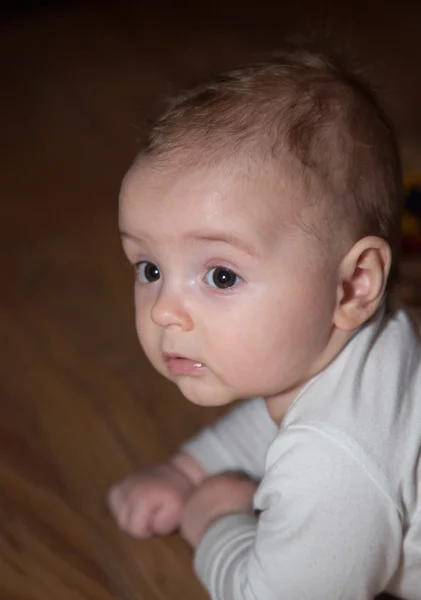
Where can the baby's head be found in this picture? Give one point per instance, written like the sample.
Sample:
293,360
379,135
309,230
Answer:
263,216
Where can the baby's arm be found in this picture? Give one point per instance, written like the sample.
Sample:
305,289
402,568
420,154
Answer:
239,441
326,529
150,502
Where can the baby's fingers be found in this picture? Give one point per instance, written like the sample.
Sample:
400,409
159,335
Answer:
166,519
130,514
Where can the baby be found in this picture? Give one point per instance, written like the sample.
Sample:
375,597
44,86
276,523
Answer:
262,219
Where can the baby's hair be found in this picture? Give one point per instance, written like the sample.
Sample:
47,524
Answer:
310,111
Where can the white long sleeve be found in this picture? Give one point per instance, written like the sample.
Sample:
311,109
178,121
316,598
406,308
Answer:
238,442
331,533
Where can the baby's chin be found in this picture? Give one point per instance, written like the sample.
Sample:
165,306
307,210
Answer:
202,394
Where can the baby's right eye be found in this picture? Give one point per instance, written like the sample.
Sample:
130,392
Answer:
147,272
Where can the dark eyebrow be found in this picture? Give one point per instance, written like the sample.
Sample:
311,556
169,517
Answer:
227,238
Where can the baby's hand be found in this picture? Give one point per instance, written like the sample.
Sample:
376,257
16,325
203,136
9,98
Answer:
150,502
218,496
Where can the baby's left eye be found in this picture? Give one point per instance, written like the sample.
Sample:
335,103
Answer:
222,278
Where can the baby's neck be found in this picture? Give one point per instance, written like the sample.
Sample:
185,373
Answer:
279,404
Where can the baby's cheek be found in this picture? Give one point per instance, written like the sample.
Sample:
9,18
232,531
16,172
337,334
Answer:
241,364
254,362
146,339
141,331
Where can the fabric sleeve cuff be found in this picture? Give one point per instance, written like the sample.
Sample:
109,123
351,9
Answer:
225,542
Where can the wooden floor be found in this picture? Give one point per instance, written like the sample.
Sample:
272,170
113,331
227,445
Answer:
80,407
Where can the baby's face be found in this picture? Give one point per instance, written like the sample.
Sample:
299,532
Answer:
232,299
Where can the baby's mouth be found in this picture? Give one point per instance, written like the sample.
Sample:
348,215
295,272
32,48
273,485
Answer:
180,365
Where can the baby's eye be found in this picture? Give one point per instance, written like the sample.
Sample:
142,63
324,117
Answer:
147,272
222,278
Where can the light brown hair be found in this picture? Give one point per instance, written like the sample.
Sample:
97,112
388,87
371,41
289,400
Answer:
306,106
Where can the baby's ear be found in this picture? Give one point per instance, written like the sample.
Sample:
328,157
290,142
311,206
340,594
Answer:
363,276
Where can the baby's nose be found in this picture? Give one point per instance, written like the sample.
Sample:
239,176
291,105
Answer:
168,310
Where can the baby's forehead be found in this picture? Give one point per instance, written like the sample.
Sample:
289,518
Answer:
245,181
235,189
